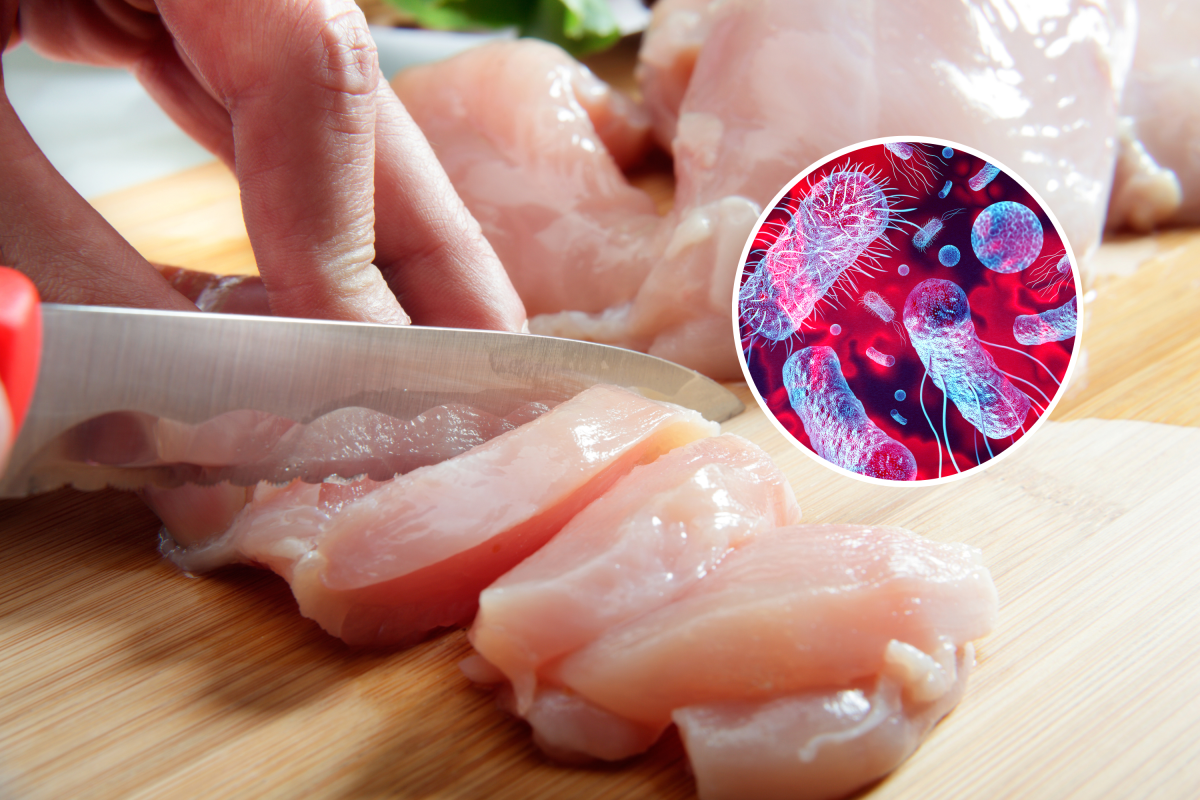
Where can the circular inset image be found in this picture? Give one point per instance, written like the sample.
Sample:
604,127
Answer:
907,310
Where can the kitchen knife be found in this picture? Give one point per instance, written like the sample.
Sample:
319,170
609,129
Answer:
106,371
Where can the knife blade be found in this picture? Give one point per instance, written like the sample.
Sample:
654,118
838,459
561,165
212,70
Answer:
104,371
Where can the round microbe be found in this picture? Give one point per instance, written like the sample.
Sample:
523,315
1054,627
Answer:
900,395
903,270
949,255
1006,237
947,152
835,329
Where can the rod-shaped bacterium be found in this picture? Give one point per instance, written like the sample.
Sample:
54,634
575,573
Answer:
838,219
882,359
1054,325
938,318
836,422
982,178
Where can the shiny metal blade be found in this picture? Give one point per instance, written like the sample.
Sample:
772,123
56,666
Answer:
101,362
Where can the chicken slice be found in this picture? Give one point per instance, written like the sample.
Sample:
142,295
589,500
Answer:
382,563
660,530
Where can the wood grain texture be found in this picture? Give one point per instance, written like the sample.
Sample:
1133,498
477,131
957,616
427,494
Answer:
123,678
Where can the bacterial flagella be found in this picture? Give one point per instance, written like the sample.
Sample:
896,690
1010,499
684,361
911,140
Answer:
997,336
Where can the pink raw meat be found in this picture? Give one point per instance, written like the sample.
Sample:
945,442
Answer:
383,563
532,141
808,607
804,661
657,532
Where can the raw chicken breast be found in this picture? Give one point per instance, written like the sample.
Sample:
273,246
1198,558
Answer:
798,661
1036,86
658,531
532,141
383,563
587,251
1162,99
821,745
807,607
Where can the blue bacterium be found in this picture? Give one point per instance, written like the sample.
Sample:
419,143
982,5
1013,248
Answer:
938,318
900,395
980,179
835,329
882,359
823,239
949,255
945,189
836,422
929,231
947,152
1006,237
903,270
1054,325
896,416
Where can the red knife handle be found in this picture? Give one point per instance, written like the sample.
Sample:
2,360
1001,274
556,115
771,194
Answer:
20,341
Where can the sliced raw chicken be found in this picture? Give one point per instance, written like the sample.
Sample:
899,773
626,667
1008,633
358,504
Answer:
802,661
383,563
809,607
822,745
245,446
657,532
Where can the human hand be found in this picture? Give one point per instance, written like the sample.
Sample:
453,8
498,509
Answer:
345,203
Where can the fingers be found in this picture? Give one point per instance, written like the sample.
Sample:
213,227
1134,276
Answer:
103,32
176,86
299,86
431,249
52,235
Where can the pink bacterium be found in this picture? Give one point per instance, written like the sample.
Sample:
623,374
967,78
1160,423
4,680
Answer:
880,358
836,422
987,173
880,308
938,318
913,163
1054,325
929,231
903,270
874,302
1006,237
828,231
835,329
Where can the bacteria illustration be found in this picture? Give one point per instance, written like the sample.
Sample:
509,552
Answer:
946,306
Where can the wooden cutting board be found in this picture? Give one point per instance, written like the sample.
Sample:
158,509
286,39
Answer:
120,677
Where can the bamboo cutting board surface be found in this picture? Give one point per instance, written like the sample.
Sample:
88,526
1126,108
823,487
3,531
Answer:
123,678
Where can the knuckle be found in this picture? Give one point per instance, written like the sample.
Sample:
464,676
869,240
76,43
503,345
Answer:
344,58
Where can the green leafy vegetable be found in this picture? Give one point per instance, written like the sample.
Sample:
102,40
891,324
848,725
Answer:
578,26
